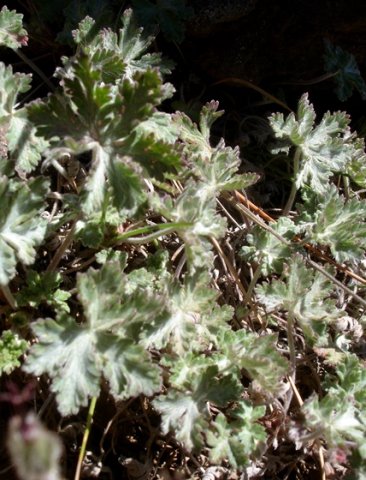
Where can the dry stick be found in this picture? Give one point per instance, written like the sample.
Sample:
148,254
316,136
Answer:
246,83
229,215
337,282
62,248
291,345
312,81
299,400
9,296
111,421
80,266
253,283
34,67
320,451
230,266
314,265
242,199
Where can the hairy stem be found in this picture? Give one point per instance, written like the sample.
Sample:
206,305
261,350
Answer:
293,192
89,421
162,229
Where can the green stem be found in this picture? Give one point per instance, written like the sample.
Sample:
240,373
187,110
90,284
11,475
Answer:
163,228
151,237
89,421
346,187
293,192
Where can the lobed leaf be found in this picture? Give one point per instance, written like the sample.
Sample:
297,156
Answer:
268,250
93,116
76,357
347,74
257,355
21,227
194,316
184,409
197,210
235,441
43,288
332,221
336,419
325,148
305,296
197,139
12,33
21,142
119,56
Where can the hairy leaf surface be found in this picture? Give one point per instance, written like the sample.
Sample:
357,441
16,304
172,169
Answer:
119,56
184,409
325,148
194,317
256,355
268,250
21,227
305,296
337,223
24,146
12,33
106,344
235,441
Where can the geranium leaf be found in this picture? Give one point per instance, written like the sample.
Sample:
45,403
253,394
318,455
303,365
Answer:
21,227
184,410
119,55
331,222
256,355
43,288
12,33
347,74
305,295
197,210
194,317
93,116
24,146
325,148
66,351
267,249
235,441
77,356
